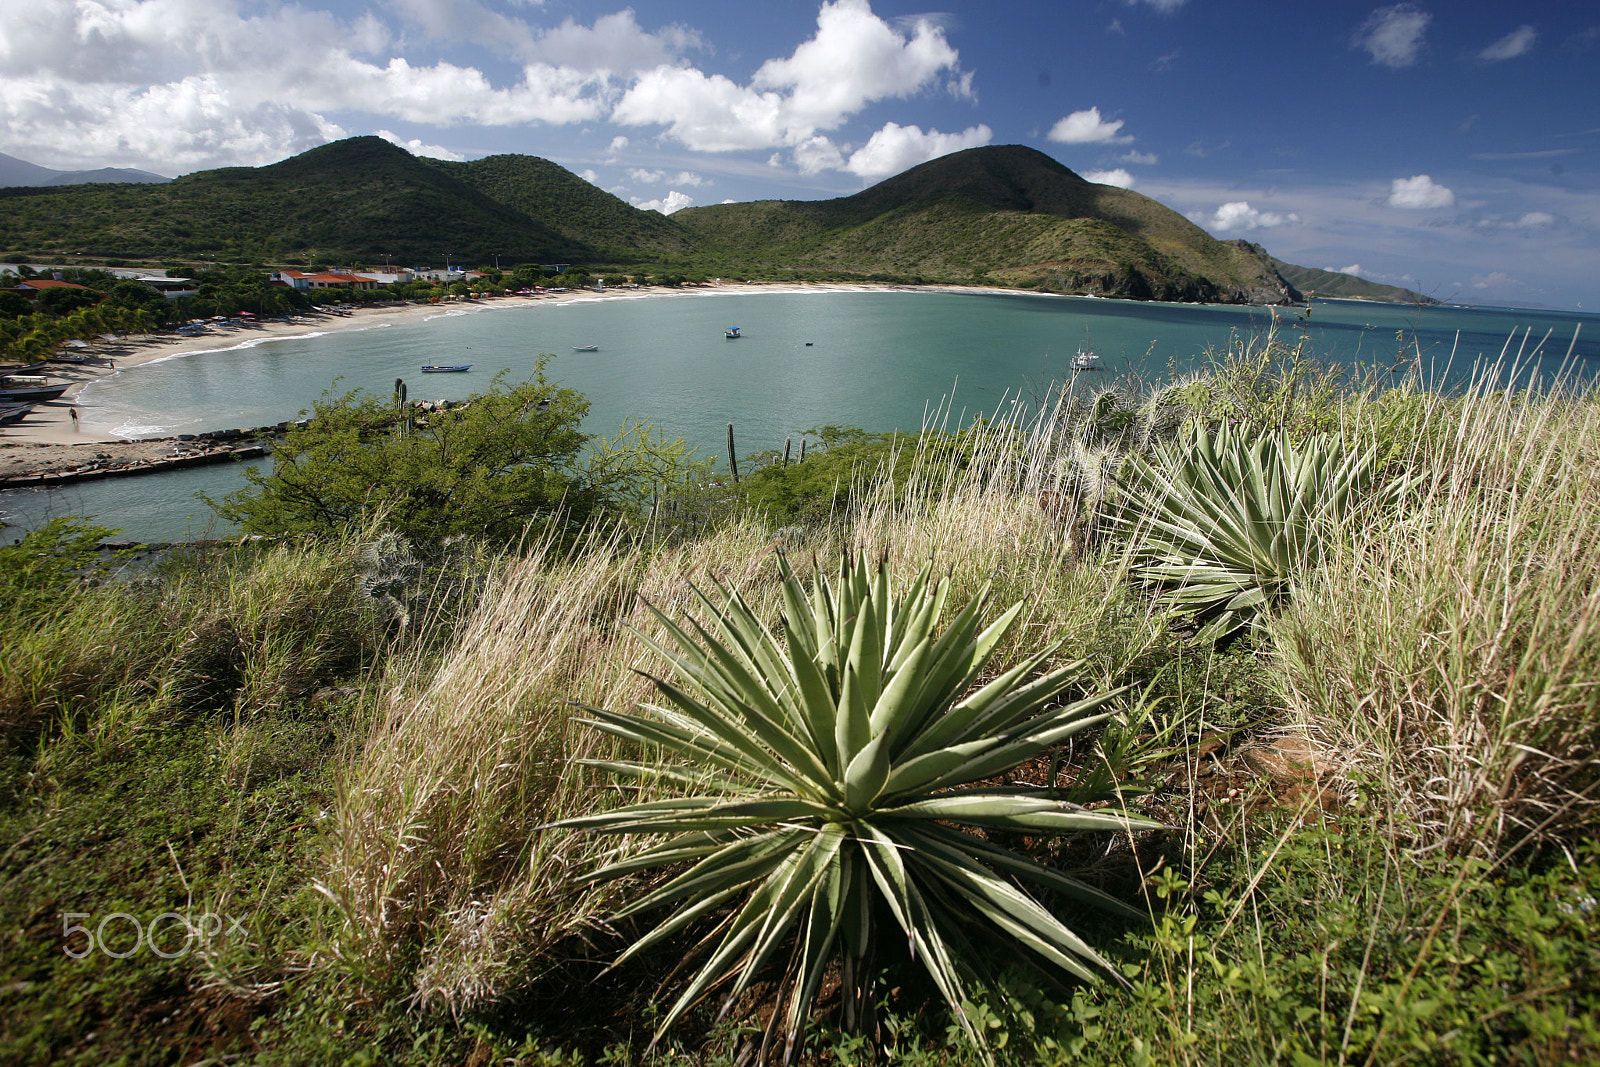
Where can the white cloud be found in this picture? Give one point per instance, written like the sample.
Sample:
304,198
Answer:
174,85
1086,127
1136,156
1392,36
1496,279
1166,7
660,177
854,59
589,176
1239,215
675,201
1419,191
618,145
1354,270
1118,177
896,148
1518,42
816,154
1529,220
417,148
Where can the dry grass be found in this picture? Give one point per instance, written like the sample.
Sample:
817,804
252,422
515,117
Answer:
1452,657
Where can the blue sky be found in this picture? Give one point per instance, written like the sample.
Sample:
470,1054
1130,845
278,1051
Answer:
1451,147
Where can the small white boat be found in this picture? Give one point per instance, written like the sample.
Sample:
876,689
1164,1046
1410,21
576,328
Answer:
1086,360
586,348
453,368
731,333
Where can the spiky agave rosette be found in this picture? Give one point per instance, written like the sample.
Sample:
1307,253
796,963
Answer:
823,771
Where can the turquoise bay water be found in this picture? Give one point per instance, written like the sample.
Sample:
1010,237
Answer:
877,359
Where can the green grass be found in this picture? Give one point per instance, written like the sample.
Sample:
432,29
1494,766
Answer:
1380,803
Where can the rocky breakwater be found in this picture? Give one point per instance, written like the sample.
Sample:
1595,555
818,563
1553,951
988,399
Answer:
46,466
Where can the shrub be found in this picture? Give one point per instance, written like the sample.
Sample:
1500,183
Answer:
822,777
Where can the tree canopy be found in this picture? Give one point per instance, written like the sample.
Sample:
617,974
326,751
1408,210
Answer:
508,462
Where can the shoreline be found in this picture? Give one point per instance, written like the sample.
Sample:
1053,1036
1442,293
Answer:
46,441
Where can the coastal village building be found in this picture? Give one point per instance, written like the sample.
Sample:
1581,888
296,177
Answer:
334,279
171,288
34,286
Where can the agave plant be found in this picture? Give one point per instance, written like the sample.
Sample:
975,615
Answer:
824,777
1225,525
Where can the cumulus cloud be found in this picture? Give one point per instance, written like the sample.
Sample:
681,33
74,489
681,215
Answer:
895,148
674,201
1118,177
816,154
181,84
417,148
855,59
1354,270
1087,127
1392,36
1518,42
1239,215
1136,156
1419,191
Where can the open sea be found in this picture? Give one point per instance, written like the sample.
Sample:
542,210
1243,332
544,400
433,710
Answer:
879,359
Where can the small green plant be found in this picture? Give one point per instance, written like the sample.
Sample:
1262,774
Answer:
823,778
1224,525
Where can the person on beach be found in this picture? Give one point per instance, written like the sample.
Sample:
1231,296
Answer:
74,413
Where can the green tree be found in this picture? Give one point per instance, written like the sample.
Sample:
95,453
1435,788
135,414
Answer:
13,304
65,301
505,461
508,460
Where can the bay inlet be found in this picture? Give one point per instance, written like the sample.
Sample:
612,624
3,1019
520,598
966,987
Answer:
879,359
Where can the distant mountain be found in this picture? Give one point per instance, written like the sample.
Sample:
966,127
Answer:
14,171
1009,214
1337,285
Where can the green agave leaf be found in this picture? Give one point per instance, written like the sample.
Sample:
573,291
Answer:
906,903
736,864
942,840
1013,812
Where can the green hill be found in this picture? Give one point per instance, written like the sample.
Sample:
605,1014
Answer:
1335,285
1008,214
358,199
566,204
1004,215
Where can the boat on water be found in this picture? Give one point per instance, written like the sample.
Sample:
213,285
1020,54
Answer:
454,368
586,348
731,333
1086,360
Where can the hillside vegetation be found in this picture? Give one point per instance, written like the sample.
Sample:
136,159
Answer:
359,199
1337,285
1269,735
1005,215
1008,213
